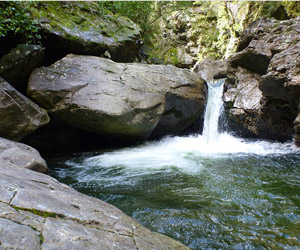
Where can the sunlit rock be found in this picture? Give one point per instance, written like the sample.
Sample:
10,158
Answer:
130,101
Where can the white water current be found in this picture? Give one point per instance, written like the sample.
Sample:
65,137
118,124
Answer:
209,191
213,110
184,152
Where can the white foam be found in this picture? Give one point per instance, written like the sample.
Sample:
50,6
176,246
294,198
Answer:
183,152
187,153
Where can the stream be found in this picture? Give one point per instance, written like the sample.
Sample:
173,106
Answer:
209,191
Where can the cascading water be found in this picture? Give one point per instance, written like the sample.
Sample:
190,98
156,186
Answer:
213,109
210,191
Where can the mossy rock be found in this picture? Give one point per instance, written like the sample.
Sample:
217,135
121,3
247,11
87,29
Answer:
85,28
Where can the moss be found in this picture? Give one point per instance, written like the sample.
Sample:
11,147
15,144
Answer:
86,16
172,56
42,239
38,212
292,8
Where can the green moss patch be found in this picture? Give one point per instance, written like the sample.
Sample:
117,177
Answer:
39,212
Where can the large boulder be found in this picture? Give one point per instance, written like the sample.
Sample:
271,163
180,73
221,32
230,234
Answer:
269,51
119,100
38,212
17,65
21,155
19,115
86,28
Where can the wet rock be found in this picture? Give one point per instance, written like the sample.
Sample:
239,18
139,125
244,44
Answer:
270,50
297,130
65,218
85,28
21,155
16,66
119,100
19,115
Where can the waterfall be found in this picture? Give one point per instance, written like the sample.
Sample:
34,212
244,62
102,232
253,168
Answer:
213,110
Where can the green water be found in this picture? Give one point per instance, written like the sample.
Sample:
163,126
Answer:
222,200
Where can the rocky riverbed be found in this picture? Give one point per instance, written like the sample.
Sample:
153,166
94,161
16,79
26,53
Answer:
80,87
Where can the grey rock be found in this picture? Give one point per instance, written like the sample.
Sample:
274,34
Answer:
247,94
145,241
16,66
16,236
209,69
297,130
63,218
21,217
19,115
282,80
119,100
73,235
21,155
269,49
254,59
243,102
6,193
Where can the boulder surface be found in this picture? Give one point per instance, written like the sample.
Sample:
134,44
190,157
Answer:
266,66
17,65
86,28
38,212
119,100
21,155
19,115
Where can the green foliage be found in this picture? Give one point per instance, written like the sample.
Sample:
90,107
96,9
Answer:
273,10
217,28
144,13
137,11
171,56
292,8
15,19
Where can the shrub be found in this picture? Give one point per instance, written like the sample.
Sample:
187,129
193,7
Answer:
15,19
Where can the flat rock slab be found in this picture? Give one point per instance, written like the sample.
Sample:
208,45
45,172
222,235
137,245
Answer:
45,214
117,99
16,236
19,115
21,155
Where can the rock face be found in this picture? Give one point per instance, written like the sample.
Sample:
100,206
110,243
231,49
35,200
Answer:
243,102
209,69
263,89
21,155
38,212
85,28
297,129
19,115
17,65
119,100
